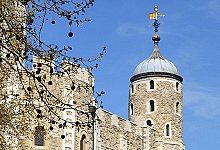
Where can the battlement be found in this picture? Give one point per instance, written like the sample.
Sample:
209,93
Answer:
74,71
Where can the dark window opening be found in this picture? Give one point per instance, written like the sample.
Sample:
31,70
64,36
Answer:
132,88
149,123
167,130
132,109
83,142
177,107
151,84
177,86
152,106
39,136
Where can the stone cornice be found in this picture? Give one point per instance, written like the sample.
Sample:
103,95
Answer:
156,74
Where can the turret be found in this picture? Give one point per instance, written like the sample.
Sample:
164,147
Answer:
156,96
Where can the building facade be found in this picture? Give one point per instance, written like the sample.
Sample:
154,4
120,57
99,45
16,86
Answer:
155,109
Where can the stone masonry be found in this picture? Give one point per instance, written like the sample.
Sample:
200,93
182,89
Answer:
165,96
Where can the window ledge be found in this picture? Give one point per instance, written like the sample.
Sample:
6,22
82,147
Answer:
39,147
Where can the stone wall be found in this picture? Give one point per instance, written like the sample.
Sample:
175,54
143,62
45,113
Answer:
165,95
116,133
52,139
78,98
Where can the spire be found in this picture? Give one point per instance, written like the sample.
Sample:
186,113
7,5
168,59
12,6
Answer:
156,38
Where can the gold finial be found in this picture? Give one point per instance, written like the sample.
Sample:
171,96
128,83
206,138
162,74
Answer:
155,8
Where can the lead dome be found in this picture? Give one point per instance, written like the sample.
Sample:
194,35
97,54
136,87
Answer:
156,63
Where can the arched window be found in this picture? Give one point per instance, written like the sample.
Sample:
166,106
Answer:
152,107
177,107
177,86
132,109
39,136
83,142
167,130
149,123
151,84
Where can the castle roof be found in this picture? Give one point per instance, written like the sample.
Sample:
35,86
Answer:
156,63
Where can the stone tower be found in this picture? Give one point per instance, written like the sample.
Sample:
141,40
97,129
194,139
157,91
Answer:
156,98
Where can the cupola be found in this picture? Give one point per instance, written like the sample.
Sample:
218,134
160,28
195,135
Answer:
156,65
156,62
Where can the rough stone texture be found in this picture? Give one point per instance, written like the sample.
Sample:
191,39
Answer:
124,136
80,97
52,140
165,97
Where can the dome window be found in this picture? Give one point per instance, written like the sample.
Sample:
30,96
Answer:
151,84
83,142
132,109
39,136
152,106
177,86
149,123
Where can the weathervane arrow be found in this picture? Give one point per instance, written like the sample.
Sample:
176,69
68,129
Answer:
155,16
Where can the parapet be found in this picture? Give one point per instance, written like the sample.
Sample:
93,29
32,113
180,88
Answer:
118,133
48,66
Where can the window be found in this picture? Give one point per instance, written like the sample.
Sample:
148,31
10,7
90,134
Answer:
149,123
177,86
151,84
177,107
132,88
39,136
132,109
167,130
152,107
83,142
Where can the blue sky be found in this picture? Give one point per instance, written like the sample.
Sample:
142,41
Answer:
189,38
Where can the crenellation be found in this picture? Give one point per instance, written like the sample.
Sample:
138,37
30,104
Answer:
128,126
114,120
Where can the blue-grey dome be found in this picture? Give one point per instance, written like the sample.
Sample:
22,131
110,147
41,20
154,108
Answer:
156,62
156,65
